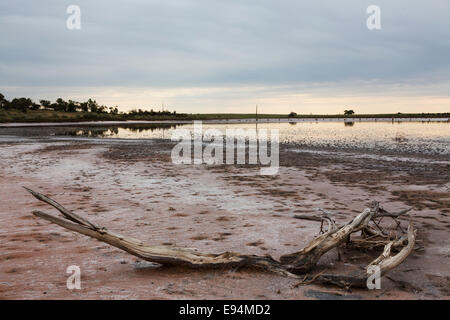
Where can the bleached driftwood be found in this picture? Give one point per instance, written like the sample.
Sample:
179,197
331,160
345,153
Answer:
296,265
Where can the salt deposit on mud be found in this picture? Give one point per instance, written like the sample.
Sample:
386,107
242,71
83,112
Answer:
134,189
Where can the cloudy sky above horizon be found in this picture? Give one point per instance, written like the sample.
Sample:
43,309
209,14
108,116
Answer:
227,56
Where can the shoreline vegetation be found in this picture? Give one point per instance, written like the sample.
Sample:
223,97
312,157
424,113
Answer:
26,110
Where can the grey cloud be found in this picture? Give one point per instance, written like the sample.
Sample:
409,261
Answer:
203,43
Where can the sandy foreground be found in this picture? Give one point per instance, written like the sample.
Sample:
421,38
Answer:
134,189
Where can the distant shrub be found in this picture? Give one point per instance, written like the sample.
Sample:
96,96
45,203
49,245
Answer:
349,112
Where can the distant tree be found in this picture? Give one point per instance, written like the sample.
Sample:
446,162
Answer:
292,114
22,104
60,105
34,106
3,102
349,112
92,105
72,106
113,110
45,103
84,107
102,109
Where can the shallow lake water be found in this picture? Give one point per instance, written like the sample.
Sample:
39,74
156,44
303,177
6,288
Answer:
417,137
403,137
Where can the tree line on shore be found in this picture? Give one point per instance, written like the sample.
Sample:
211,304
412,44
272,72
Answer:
90,106
92,110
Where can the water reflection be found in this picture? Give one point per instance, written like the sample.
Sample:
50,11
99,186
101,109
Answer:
115,131
417,137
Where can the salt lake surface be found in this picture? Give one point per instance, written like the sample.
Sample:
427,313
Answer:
402,137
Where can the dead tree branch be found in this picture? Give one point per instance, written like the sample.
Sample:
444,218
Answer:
291,265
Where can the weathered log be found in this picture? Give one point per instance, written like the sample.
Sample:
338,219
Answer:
386,262
306,259
291,265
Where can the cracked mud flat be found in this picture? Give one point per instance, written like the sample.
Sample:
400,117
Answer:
134,189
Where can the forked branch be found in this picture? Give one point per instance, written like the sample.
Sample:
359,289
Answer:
291,265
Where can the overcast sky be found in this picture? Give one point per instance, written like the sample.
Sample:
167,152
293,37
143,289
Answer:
228,56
